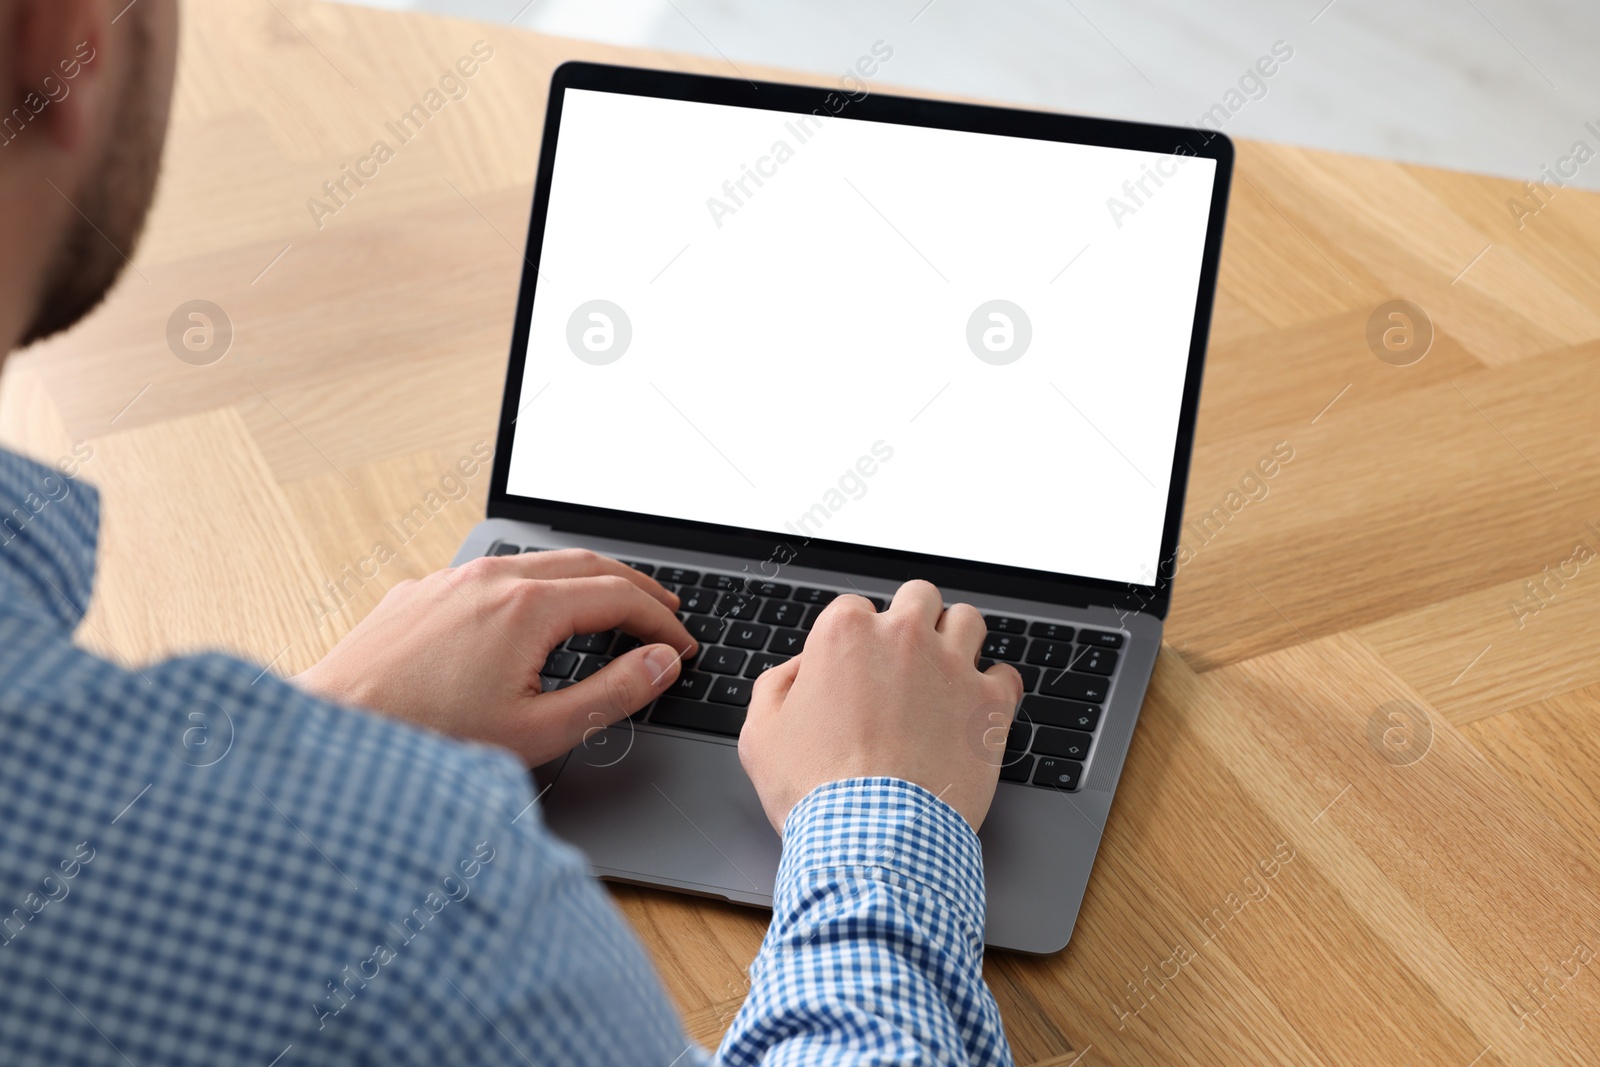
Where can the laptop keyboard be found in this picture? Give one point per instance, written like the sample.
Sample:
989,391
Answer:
746,626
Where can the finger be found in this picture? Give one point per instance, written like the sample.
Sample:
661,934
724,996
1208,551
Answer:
610,695
582,563
847,603
963,625
1010,678
773,686
594,605
918,600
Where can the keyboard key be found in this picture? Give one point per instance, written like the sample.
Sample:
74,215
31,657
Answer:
677,576
1094,660
741,607
1060,773
1103,638
555,683
625,643
881,603
1071,685
763,661
812,614
589,666
1065,713
704,628
1004,646
1030,675
646,569
691,685
761,588
1050,631
788,642
748,635
1003,624
591,642
732,690
503,549
723,582
1055,654
809,595
783,613
560,664
1016,769
532,548
695,715
1017,736
1049,741
695,599
722,660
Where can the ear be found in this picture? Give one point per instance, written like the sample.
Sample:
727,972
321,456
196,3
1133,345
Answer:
52,70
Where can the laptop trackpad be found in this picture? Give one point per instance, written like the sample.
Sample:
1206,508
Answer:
663,808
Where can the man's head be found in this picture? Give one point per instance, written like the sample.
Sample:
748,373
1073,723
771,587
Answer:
85,87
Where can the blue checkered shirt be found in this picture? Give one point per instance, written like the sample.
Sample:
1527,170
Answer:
200,864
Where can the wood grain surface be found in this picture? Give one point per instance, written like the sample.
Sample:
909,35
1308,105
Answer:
1358,821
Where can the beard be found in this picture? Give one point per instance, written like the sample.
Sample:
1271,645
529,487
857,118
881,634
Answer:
111,208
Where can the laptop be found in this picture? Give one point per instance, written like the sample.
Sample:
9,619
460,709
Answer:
778,343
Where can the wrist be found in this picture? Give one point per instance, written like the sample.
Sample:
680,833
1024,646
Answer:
890,825
316,680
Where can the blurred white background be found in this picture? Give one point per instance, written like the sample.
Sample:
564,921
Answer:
1500,87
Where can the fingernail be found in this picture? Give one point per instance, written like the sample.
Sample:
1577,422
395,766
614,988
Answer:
660,659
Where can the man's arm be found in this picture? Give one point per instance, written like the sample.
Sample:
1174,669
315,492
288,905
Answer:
876,753
875,952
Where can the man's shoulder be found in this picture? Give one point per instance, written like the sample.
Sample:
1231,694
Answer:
209,721
200,832
214,750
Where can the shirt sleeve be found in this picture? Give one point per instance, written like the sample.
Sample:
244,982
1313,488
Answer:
875,950
873,956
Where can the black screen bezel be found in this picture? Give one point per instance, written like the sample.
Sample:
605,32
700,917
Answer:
895,564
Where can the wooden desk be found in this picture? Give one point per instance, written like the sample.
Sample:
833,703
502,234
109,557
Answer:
1441,862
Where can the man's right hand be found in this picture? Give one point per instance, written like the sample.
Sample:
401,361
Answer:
896,695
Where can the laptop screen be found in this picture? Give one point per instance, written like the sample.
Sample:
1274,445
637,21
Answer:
961,344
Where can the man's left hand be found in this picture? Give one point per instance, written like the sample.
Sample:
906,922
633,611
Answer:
460,651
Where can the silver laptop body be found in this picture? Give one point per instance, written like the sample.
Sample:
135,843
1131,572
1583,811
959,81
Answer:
660,799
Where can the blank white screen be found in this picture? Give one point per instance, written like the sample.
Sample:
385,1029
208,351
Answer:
774,345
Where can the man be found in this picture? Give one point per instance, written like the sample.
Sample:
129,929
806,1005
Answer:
201,863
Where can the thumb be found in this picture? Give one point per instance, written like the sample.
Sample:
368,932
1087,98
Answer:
772,687
614,692
1013,678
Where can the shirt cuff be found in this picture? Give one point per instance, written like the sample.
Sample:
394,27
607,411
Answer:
888,824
